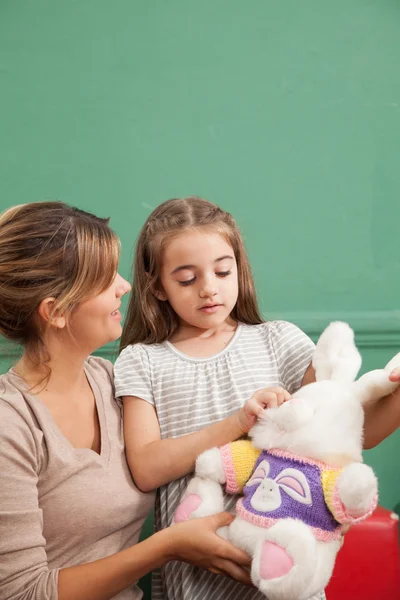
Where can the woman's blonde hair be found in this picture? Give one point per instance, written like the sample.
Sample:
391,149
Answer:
50,249
150,320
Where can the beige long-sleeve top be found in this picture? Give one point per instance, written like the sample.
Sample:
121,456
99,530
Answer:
61,506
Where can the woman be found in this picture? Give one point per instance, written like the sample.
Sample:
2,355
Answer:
70,514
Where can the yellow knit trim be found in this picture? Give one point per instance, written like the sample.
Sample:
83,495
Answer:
329,478
244,456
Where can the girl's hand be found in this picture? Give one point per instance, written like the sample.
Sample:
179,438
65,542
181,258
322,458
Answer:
197,542
395,375
254,408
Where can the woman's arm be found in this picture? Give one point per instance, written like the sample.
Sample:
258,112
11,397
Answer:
195,542
154,462
309,376
382,417
25,573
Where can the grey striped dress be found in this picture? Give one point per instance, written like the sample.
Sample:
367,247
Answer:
191,393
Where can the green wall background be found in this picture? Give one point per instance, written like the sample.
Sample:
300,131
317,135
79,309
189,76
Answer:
285,113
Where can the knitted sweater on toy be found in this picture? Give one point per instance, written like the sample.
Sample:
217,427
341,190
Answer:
283,485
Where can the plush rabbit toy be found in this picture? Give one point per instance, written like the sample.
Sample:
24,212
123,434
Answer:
302,476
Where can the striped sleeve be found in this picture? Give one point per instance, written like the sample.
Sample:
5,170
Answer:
293,350
132,374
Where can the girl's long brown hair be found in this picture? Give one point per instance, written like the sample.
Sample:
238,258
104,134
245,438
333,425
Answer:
50,249
150,320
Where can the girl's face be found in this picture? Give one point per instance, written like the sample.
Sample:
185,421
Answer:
97,321
199,278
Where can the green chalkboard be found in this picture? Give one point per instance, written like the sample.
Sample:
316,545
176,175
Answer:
286,113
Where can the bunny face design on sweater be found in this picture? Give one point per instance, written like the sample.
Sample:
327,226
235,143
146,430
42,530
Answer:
286,486
267,497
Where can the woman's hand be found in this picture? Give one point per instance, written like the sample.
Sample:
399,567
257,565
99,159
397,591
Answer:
254,408
197,542
395,375
345,529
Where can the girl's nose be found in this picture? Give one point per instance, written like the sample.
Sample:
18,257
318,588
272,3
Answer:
208,291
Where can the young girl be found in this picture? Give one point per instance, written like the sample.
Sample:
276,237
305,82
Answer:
70,514
195,348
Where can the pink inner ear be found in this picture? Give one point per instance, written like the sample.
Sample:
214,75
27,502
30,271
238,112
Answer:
258,477
292,483
254,482
259,473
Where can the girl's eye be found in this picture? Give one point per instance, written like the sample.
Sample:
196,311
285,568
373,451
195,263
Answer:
187,282
223,273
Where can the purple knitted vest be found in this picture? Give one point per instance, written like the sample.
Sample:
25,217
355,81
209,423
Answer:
285,486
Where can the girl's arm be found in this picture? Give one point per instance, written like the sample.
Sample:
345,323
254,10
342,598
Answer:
383,417
195,542
154,461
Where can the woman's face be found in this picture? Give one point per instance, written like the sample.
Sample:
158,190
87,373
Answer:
97,321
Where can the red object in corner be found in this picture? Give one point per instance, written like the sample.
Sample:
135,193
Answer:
368,565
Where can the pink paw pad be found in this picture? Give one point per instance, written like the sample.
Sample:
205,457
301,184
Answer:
274,562
186,507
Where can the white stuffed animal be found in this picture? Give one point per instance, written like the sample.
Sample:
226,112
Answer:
302,476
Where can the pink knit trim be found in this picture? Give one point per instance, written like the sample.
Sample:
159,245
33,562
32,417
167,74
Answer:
303,459
341,513
229,469
266,522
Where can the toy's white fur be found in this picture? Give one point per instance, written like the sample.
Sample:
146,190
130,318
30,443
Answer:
323,421
211,467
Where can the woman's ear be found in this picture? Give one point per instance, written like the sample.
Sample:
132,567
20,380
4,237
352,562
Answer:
46,313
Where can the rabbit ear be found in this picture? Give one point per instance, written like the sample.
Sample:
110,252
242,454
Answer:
394,363
336,356
260,473
295,484
374,385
